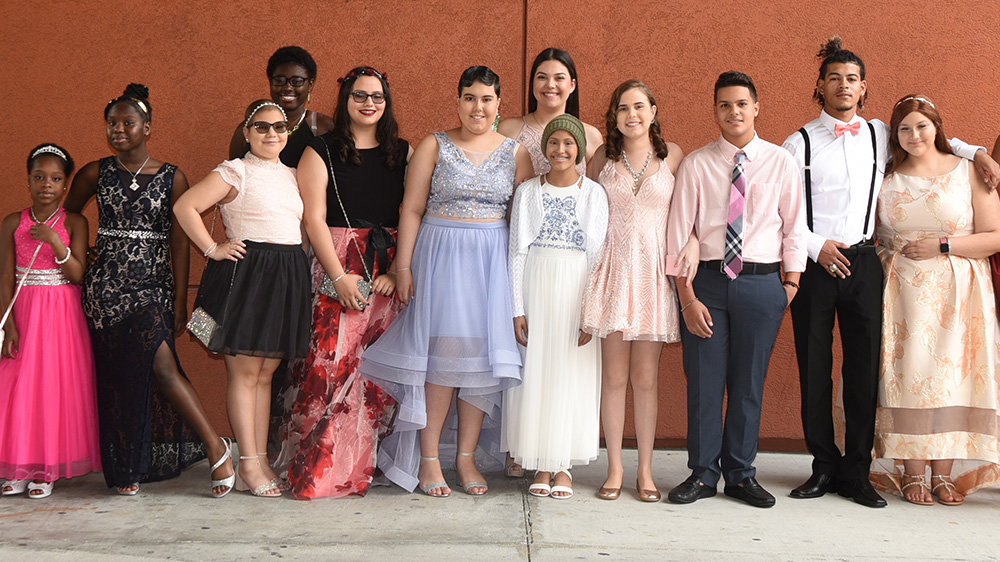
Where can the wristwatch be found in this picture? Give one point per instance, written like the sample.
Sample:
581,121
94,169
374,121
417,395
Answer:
945,246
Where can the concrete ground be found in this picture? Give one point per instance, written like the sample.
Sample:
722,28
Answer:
178,520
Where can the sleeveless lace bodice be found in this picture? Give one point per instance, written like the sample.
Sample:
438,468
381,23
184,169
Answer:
268,207
462,190
45,270
531,139
133,255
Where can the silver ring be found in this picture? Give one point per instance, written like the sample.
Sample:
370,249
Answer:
833,268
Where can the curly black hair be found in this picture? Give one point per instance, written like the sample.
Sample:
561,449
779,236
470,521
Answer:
293,54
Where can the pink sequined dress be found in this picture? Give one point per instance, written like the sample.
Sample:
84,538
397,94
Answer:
48,403
629,290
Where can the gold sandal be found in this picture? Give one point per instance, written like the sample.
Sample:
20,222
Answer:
948,484
916,480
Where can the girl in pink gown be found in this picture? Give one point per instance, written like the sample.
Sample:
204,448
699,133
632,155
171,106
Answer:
48,409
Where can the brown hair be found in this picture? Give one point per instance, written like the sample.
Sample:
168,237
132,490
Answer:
615,141
905,106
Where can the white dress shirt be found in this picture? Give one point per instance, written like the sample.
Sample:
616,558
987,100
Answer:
841,171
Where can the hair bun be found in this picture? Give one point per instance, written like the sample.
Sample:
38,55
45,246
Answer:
137,91
832,45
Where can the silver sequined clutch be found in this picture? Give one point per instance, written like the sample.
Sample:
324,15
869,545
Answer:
202,325
327,288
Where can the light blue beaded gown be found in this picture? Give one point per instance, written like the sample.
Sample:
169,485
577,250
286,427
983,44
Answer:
457,330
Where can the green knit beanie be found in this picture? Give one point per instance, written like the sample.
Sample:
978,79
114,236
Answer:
571,125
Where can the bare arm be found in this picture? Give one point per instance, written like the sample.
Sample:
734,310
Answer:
314,181
83,189
180,256
79,238
7,281
594,140
195,201
597,164
525,170
418,188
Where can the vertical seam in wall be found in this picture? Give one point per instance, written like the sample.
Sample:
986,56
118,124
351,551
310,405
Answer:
524,57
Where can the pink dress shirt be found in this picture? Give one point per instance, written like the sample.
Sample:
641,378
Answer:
774,219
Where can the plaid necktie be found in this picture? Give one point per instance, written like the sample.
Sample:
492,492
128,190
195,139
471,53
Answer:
733,260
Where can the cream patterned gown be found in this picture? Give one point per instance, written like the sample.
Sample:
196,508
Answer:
938,396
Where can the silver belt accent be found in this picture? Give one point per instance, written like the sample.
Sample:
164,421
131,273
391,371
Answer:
141,234
41,276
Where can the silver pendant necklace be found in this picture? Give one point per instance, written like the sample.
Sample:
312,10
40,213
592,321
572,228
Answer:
134,186
639,174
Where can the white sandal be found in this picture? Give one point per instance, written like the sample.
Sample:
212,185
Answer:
230,481
540,489
45,487
16,487
566,489
125,491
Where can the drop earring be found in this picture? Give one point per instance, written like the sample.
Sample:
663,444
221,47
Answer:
496,121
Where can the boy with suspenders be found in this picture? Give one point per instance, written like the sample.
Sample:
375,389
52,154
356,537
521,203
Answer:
842,172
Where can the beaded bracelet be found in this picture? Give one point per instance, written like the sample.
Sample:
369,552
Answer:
791,284
69,252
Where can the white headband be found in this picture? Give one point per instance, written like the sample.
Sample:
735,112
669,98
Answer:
49,149
918,98
256,109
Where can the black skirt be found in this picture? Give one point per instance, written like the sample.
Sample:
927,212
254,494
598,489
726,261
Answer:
261,303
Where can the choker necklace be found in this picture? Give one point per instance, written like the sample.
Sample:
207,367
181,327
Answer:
296,127
635,175
31,211
134,186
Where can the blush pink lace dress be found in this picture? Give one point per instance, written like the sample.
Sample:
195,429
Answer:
629,290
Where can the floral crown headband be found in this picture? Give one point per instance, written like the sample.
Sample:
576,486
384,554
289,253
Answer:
264,104
365,71
918,98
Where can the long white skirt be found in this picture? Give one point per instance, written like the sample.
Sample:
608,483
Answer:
551,421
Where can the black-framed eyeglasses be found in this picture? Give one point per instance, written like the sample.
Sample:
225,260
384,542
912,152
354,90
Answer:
378,98
263,126
295,81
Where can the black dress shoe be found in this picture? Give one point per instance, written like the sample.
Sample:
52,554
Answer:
815,487
860,490
690,491
750,492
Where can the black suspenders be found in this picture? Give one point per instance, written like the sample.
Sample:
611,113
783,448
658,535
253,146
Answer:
808,173
871,190
808,180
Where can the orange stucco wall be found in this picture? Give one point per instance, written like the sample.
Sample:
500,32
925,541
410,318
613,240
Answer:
61,61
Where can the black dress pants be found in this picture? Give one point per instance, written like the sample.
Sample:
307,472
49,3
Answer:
856,303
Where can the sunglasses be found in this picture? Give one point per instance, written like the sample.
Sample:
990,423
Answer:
263,126
378,98
295,81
